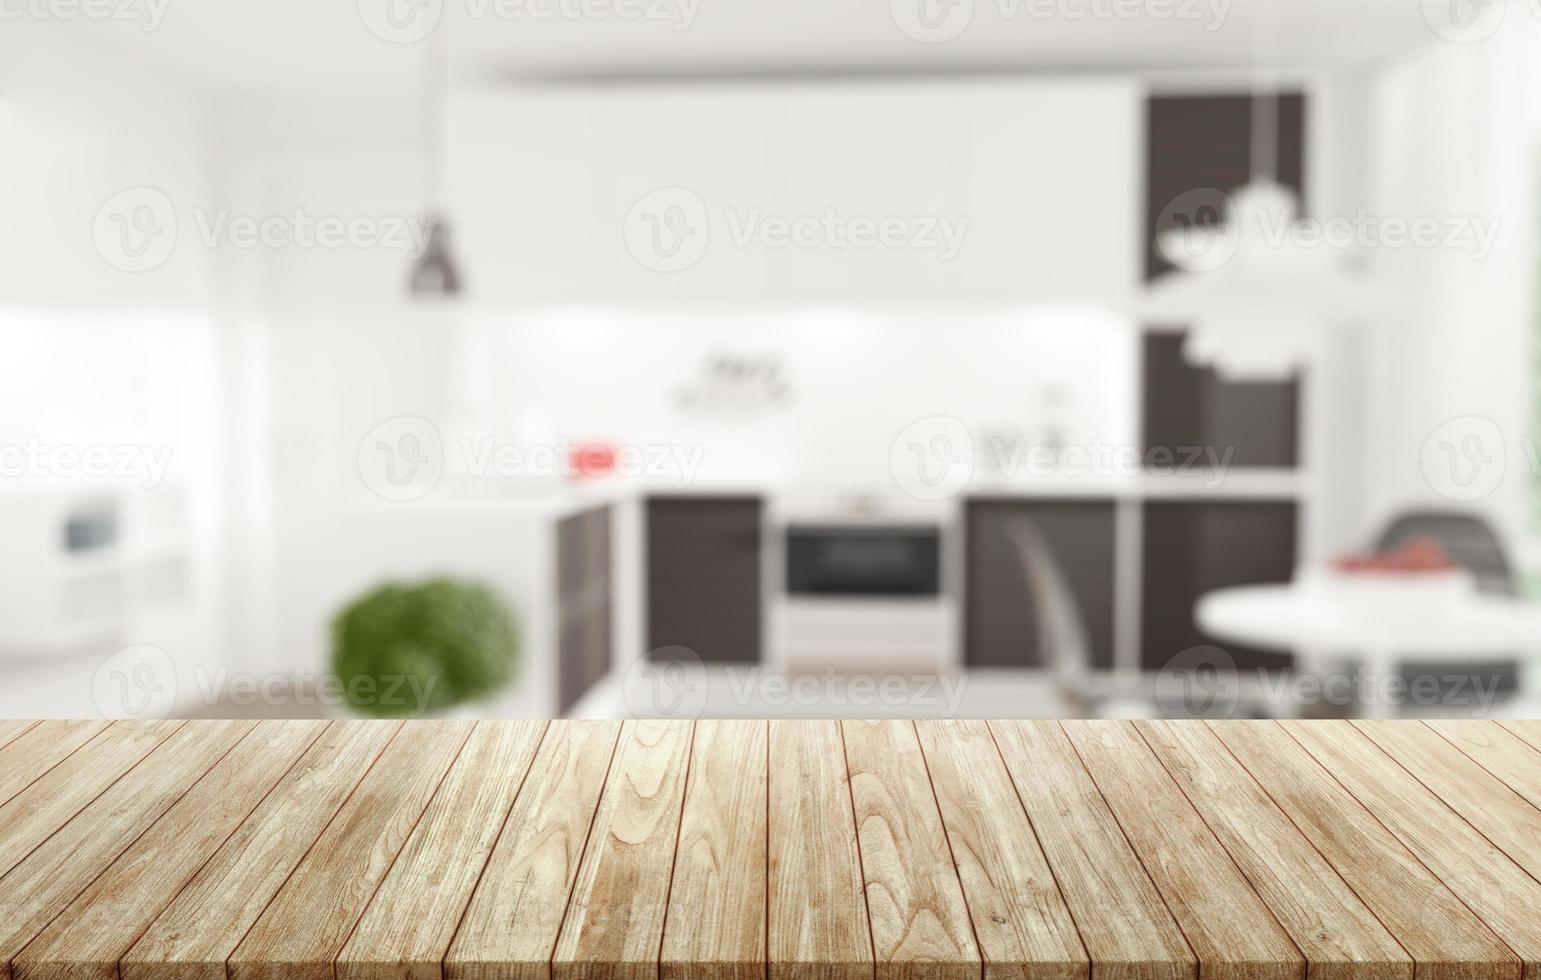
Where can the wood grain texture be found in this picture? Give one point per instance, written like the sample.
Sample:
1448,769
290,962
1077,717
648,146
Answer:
511,925
309,920
816,918
86,941
52,799
715,928
13,728
35,749
1128,931
1482,876
201,927
408,926
44,883
1485,801
1443,936
1231,931
796,850
920,924
615,919
1340,937
1499,749
1024,927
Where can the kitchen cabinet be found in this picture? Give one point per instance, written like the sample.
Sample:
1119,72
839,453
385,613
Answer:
1042,179
1192,547
585,599
703,578
1001,618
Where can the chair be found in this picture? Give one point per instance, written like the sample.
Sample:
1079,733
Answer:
1061,633
1471,543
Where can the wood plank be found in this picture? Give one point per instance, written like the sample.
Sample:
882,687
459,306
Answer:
1024,927
1498,748
515,914
920,924
12,728
715,926
309,920
1127,929
199,930
1481,798
86,940
1499,891
1445,939
39,748
50,801
817,913
615,920
408,926
1528,731
1341,938
48,879
1230,930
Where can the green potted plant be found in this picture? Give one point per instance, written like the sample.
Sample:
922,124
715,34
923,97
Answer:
413,649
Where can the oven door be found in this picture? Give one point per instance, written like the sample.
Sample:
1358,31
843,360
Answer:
868,561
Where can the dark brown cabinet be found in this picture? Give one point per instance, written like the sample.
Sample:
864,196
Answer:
1192,547
1000,624
585,603
704,576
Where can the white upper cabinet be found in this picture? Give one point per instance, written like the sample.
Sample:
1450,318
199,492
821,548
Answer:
800,192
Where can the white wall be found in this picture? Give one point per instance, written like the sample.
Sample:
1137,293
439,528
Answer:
1452,136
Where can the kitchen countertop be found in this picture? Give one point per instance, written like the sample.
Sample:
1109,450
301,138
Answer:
696,850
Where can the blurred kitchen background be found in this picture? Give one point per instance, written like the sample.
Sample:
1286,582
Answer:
721,357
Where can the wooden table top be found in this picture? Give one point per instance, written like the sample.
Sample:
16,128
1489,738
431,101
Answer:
792,849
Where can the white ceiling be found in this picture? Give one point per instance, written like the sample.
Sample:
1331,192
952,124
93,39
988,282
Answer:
310,44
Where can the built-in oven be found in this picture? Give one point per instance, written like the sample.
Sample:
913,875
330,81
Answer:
828,560
862,597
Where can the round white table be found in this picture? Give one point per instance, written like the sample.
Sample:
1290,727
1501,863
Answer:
1379,619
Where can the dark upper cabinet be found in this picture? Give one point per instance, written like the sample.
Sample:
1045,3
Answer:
1192,547
1000,616
1193,142
703,576
1197,142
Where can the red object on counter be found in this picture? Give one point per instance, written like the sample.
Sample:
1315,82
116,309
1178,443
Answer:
1417,554
592,459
